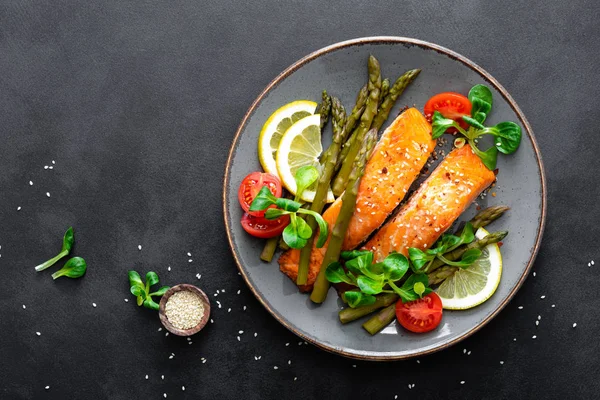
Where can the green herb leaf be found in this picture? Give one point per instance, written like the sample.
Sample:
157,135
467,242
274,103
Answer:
151,304
135,279
160,291
488,157
362,265
323,226
287,204
349,255
473,122
138,291
290,234
263,200
467,259
507,136
68,240
73,268
358,299
407,291
394,266
304,230
418,258
466,236
335,274
439,125
368,285
305,176
419,289
151,278
480,97
274,213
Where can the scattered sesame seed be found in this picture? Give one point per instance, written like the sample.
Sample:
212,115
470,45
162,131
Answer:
139,247
53,162
229,310
169,268
24,306
239,291
469,352
222,290
514,339
219,303
395,396
146,376
534,273
165,395
190,342
464,351
189,254
47,194
299,343
501,362
537,323
244,308
289,362
159,329
592,262
418,362
94,305
255,334
287,344
204,361
183,388
190,260
553,305
19,208
211,321
30,183
51,167
171,357
238,338
126,300
539,317
462,382
167,334
39,333
295,378
216,294
520,307
534,336
542,297
45,167
47,387
162,377
353,365
275,367
574,324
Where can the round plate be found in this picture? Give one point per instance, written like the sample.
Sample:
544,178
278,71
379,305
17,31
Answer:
341,69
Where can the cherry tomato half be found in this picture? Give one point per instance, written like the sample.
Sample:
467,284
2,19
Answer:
264,228
252,184
451,105
422,315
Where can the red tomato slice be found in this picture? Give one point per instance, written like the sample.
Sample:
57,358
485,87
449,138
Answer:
264,228
252,184
422,315
451,105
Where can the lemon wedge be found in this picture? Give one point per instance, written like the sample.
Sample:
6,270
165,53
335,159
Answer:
469,287
272,131
300,146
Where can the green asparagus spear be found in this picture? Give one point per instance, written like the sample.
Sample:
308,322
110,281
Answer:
338,232
457,253
365,123
359,107
351,314
440,274
487,216
381,320
329,159
324,108
395,92
269,249
385,89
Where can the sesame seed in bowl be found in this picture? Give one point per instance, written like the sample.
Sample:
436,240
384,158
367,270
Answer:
184,310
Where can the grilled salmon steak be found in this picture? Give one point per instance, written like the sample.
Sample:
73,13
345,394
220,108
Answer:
397,159
433,208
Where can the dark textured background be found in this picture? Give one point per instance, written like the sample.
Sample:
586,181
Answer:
138,101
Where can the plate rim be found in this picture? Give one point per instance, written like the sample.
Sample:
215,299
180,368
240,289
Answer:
371,355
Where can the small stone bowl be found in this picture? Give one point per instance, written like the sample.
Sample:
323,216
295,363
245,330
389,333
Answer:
165,320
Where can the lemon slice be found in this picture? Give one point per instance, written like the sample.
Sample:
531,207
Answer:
472,286
275,127
300,146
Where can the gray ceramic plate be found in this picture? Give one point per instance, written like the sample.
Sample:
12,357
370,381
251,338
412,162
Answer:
341,69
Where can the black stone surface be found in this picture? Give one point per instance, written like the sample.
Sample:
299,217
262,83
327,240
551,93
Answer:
138,101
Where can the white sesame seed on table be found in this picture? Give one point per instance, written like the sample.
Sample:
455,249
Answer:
126,300
39,333
30,183
534,336
47,387
47,194
146,376
183,388
19,208
24,306
574,324
139,247
189,254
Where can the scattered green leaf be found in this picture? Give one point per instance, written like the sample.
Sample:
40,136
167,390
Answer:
73,268
141,290
68,240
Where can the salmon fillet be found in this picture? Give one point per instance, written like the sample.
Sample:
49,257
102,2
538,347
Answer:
434,207
396,162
